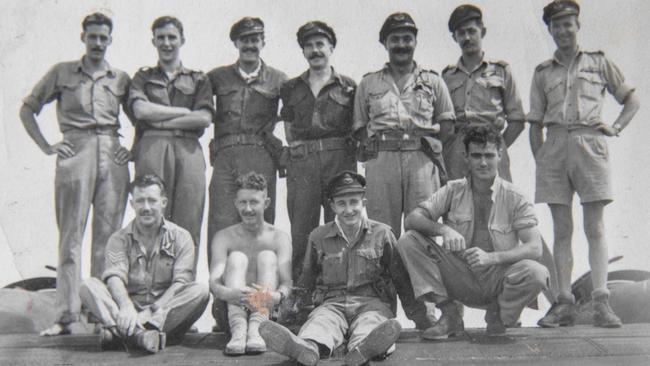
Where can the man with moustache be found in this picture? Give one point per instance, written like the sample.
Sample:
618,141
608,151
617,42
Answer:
490,247
146,297
173,105
251,268
91,166
248,94
567,96
395,108
483,92
353,270
317,112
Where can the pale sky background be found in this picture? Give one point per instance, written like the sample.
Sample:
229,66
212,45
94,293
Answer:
38,34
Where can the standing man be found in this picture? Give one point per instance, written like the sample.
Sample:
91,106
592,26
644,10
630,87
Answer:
91,166
317,111
251,268
173,105
490,245
353,271
248,93
394,108
567,95
483,92
147,295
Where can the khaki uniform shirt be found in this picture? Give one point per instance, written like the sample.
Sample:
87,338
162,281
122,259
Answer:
82,102
328,115
573,95
487,95
245,106
418,109
147,277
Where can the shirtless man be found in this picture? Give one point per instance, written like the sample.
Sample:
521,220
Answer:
250,266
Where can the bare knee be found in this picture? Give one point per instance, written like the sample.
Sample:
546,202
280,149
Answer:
237,259
562,223
593,220
89,286
267,259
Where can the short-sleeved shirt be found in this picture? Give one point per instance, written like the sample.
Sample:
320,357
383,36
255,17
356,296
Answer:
510,211
418,108
328,115
245,106
487,95
83,102
147,277
187,88
573,95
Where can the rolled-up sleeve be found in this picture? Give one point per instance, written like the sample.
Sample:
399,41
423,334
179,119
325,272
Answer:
116,260
524,216
615,81
203,97
44,92
136,89
537,100
443,108
184,263
438,204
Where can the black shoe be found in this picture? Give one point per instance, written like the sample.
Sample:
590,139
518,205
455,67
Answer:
450,324
559,315
282,341
376,343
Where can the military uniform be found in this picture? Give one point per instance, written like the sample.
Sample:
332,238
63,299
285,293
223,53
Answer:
147,277
318,130
246,113
87,111
174,155
567,100
489,222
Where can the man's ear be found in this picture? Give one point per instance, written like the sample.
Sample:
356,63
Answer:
267,202
163,201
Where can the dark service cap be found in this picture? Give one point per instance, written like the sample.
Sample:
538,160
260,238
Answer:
346,182
246,26
315,28
462,14
560,8
397,21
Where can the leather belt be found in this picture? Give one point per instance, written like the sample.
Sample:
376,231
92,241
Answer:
363,290
98,130
310,146
399,145
172,133
238,139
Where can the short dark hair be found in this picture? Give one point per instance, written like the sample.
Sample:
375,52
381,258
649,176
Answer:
97,19
146,180
252,180
481,135
167,19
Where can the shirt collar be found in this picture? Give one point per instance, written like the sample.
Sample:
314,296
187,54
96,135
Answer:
334,78
165,245
334,228
258,74
79,67
182,70
460,66
494,189
557,60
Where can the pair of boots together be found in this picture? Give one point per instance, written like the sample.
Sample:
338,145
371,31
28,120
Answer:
244,331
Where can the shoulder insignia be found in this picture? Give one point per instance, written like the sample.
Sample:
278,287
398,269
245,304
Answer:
597,52
145,69
430,71
448,68
499,62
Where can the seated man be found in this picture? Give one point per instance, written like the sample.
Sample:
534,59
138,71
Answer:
250,266
353,266
490,248
147,294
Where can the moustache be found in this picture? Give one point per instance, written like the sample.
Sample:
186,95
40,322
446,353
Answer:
96,49
316,55
466,43
402,50
249,49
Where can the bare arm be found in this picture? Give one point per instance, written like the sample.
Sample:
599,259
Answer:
127,318
218,261
64,148
153,112
513,131
446,131
420,220
284,254
531,248
190,121
631,105
536,136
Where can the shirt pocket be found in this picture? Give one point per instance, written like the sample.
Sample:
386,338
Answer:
423,103
263,104
334,268
185,93
228,101
337,111
460,221
379,103
490,90
113,95
72,96
368,264
157,93
504,236
456,89
164,270
592,85
554,91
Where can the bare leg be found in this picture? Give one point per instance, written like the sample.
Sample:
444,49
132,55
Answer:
267,278
235,277
595,232
562,231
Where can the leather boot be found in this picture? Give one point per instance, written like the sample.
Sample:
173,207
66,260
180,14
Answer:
147,340
493,320
282,341
450,323
238,328
604,316
376,343
254,342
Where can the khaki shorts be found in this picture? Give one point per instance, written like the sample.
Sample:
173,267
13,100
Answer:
573,161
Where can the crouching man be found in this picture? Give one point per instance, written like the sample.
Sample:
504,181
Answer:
250,266
353,266
147,295
490,248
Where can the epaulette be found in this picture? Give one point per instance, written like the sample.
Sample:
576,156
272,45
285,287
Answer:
499,62
431,71
544,65
597,52
371,72
145,69
449,67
